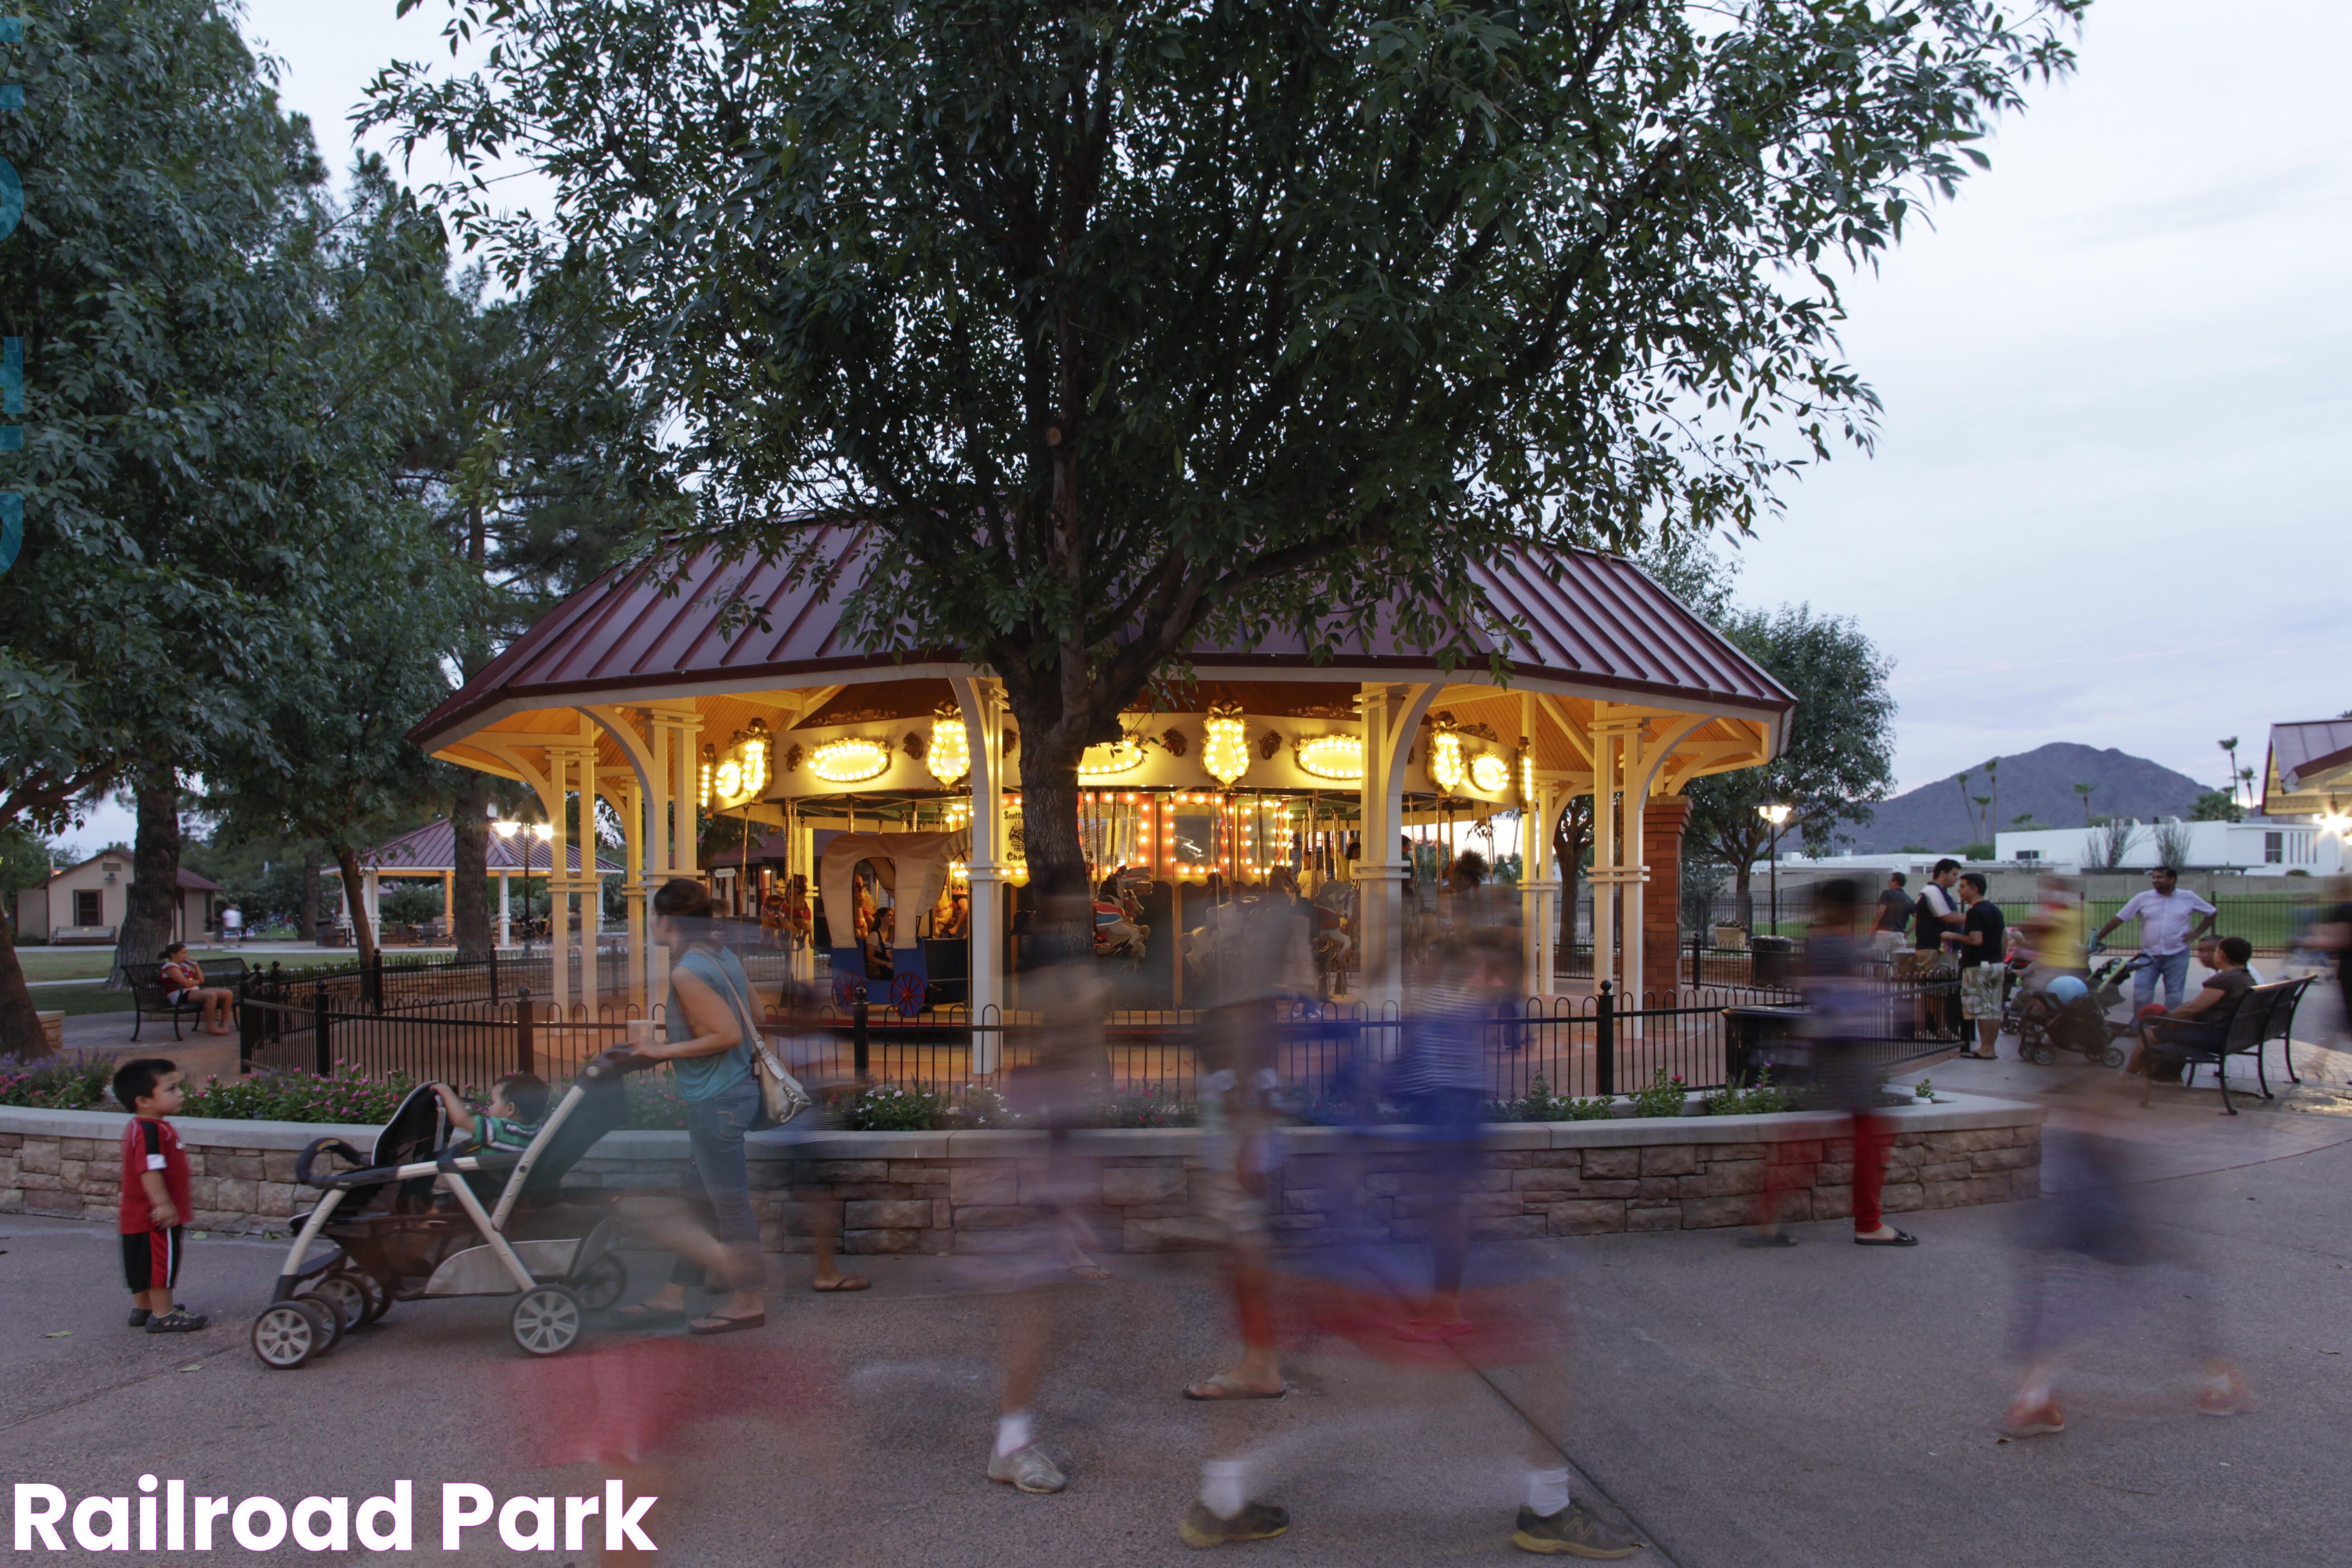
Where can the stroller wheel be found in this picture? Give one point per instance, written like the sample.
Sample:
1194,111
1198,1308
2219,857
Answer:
289,1333
2045,1054
547,1320
357,1297
2114,1057
330,1312
605,1282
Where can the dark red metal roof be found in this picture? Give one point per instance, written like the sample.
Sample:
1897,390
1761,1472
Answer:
1596,620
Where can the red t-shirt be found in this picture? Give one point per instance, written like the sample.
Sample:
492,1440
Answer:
149,1144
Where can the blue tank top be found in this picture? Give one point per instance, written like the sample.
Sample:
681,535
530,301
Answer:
706,1078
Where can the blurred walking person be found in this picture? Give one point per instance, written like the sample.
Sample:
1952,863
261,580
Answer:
1844,1011
2094,1267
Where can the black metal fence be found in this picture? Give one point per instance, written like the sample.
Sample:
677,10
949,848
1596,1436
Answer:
461,1024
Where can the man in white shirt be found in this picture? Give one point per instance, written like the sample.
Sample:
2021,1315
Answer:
2169,927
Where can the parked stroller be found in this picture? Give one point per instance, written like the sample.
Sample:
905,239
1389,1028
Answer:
2061,1020
419,1219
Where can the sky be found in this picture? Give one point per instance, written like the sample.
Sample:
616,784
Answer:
2106,504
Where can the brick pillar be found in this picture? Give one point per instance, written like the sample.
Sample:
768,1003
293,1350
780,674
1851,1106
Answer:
1663,960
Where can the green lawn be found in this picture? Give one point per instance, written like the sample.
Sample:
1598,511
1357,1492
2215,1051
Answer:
95,963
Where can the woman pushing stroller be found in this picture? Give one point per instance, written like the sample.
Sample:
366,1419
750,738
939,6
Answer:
710,1020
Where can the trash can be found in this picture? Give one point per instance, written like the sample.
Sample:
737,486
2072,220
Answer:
1772,960
1758,1037
326,934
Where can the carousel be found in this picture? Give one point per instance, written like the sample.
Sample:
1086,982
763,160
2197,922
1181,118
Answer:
875,797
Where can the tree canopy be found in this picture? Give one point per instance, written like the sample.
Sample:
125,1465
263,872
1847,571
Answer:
1121,326
1840,754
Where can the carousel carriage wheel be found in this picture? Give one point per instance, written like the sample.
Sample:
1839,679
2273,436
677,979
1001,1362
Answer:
289,1333
546,1320
847,988
907,994
358,1299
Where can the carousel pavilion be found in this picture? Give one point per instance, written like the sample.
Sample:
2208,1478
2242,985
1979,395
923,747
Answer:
841,763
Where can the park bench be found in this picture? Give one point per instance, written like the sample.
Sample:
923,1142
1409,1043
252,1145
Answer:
147,995
2265,1014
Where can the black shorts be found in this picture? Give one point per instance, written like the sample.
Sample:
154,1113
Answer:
151,1259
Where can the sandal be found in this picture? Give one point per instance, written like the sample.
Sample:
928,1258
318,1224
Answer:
716,1325
1900,1238
1211,1390
841,1285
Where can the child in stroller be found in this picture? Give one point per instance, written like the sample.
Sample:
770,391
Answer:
423,1217
2071,1014
517,1105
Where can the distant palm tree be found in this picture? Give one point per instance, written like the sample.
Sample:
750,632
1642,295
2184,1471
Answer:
2231,746
2084,791
2246,777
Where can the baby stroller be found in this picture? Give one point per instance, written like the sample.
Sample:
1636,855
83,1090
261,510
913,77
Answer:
419,1219
2048,1023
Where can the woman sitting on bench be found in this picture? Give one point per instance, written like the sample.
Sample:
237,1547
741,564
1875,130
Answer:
183,986
2203,1022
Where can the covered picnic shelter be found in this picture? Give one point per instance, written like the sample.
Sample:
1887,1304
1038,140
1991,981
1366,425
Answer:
525,850
644,695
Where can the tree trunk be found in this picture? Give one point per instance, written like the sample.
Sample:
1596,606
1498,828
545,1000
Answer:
470,916
309,931
20,1023
155,888
1744,902
1063,926
347,861
1572,840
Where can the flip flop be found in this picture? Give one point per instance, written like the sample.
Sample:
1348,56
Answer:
715,1324
638,1313
1900,1238
841,1285
1226,1388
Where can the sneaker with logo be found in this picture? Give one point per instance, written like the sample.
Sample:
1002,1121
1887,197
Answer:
1570,1532
178,1321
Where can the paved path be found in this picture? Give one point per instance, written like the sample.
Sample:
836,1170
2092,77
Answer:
1822,1406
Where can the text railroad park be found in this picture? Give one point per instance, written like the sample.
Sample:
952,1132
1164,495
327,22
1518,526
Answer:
176,1521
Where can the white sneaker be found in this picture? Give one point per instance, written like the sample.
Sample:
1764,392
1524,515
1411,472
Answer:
1028,1470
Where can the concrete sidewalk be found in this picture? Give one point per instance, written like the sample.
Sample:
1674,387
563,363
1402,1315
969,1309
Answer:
1825,1405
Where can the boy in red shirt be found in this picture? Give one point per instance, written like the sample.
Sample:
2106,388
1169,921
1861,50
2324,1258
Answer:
154,1194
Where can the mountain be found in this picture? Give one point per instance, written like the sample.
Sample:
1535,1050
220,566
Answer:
2041,781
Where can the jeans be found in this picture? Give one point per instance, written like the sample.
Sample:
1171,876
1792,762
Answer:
714,1135
2174,967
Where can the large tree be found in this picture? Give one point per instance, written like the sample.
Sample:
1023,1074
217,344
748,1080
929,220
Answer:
341,769
539,459
1121,327
179,439
1839,752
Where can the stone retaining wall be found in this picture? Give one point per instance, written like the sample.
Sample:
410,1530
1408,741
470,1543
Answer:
1145,1191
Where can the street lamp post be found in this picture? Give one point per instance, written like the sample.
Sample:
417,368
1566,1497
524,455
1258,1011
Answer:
543,832
1776,814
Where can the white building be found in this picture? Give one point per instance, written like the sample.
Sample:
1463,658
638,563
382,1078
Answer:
2257,847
